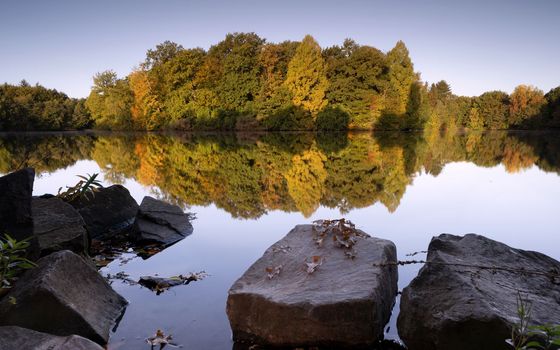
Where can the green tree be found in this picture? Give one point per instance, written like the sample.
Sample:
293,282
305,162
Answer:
493,107
110,101
273,94
239,83
163,53
552,108
356,77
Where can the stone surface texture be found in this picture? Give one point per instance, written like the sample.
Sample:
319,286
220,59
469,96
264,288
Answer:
18,338
16,219
344,303
160,222
109,212
63,296
451,305
58,226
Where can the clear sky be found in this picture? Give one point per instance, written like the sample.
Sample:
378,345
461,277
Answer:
476,46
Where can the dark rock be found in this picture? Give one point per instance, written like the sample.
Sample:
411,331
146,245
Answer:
16,219
109,212
452,305
345,302
63,296
22,338
160,222
58,226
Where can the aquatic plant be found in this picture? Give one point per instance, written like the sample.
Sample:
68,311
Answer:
12,260
86,186
527,337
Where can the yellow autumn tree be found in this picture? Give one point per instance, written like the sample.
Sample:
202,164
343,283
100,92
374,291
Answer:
146,109
306,179
306,79
525,102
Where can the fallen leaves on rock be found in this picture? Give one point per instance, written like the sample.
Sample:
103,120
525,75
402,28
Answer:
272,272
314,262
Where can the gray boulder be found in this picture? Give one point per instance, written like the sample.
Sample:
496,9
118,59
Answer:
160,222
63,296
451,305
22,338
287,298
58,226
109,212
16,219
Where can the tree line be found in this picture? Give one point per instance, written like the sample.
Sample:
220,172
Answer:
26,107
246,83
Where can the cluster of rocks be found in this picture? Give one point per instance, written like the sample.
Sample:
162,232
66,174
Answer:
64,303
465,297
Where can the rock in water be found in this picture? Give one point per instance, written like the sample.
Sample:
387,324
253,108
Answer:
58,226
15,206
109,212
22,338
160,222
453,306
63,296
302,292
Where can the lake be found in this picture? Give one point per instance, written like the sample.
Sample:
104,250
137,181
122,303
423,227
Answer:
249,190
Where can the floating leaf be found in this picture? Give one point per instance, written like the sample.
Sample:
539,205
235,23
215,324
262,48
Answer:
160,339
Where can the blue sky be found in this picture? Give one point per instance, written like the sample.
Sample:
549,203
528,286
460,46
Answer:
476,46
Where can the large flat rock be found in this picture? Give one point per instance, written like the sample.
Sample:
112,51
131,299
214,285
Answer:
109,212
27,339
63,296
58,226
345,302
451,305
160,222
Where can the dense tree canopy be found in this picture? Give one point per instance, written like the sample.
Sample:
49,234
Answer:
26,107
246,83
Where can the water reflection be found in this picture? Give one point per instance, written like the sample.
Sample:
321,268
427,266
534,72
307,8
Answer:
288,176
248,175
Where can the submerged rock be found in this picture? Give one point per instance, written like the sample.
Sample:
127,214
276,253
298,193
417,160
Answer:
58,226
109,212
160,222
63,296
22,338
452,305
306,290
16,219
161,284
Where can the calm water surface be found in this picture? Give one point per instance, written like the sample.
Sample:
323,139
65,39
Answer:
248,191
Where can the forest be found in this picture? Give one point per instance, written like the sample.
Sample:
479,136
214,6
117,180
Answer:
246,83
